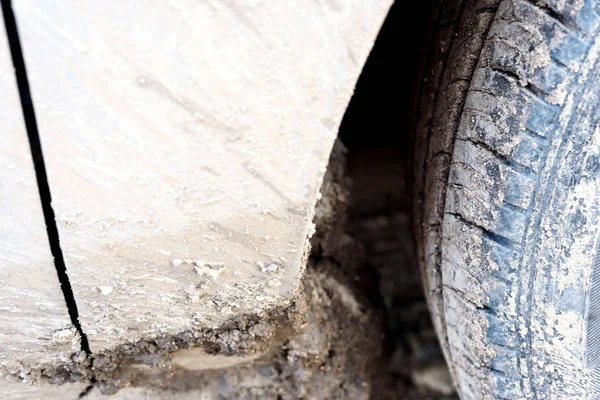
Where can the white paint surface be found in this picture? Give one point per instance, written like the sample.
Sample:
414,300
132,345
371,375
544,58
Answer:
186,142
33,313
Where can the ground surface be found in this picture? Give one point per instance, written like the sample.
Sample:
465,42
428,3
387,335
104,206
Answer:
379,218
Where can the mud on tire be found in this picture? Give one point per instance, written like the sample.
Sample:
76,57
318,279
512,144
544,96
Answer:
507,194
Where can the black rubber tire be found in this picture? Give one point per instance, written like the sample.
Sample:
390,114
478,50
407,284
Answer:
507,195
